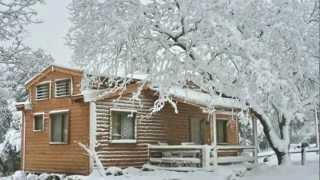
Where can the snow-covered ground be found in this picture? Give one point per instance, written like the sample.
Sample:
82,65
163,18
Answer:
264,171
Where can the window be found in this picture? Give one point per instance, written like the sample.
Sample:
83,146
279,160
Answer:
42,91
123,125
38,122
63,88
222,131
59,127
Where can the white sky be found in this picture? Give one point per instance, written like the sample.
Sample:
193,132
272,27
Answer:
50,34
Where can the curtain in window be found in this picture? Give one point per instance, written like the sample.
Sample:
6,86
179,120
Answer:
127,126
123,125
116,126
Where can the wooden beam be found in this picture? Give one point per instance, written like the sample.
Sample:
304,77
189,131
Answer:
255,140
215,151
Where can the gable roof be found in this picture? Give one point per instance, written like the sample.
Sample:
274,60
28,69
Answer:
52,68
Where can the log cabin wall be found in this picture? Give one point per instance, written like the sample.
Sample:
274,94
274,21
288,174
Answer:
179,123
150,129
40,155
165,126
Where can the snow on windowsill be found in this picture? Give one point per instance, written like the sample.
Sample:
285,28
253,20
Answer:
124,141
58,143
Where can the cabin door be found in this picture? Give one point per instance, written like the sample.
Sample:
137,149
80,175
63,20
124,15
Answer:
197,131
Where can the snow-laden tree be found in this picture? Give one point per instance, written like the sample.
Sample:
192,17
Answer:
30,62
263,52
13,76
5,117
15,15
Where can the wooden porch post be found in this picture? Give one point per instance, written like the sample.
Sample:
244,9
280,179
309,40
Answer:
214,143
255,140
205,156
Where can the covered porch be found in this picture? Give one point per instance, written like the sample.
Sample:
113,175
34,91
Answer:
206,139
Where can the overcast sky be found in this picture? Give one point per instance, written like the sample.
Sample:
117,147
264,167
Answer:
50,34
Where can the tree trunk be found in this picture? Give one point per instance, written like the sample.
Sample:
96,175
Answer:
281,153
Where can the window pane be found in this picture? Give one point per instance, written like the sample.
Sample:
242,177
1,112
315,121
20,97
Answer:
59,127
221,131
123,125
127,126
43,91
63,88
38,122
116,127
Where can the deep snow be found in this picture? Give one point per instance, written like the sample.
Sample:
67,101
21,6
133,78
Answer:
264,171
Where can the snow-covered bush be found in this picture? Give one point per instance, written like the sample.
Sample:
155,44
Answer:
115,171
19,175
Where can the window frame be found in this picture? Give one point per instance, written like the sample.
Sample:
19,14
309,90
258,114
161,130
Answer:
55,87
49,90
33,127
124,141
50,127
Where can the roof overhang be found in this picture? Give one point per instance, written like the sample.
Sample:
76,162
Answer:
184,95
21,106
52,68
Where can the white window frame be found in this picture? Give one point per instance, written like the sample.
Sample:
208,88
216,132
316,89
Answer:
37,114
49,90
124,141
55,87
57,112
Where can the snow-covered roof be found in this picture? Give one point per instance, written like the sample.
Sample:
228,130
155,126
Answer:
93,94
191,96
137,76
23,105
203,99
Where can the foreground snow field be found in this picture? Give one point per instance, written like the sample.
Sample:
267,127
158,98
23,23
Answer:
264,171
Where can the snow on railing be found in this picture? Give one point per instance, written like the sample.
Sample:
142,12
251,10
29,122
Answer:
241,156
201,156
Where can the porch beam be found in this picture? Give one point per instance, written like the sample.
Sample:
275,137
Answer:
214,134
205,161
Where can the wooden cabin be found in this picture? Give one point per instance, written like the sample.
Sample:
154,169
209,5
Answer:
58,116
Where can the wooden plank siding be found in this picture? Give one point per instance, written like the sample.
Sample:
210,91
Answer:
40,155
165,126
150,129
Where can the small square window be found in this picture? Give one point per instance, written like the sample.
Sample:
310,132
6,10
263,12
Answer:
63,88
38,122
42,91
123,125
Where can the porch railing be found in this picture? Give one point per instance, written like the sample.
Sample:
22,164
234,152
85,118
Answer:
244,154
201,156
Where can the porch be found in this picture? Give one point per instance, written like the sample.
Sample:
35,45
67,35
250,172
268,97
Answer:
199,156
212,141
